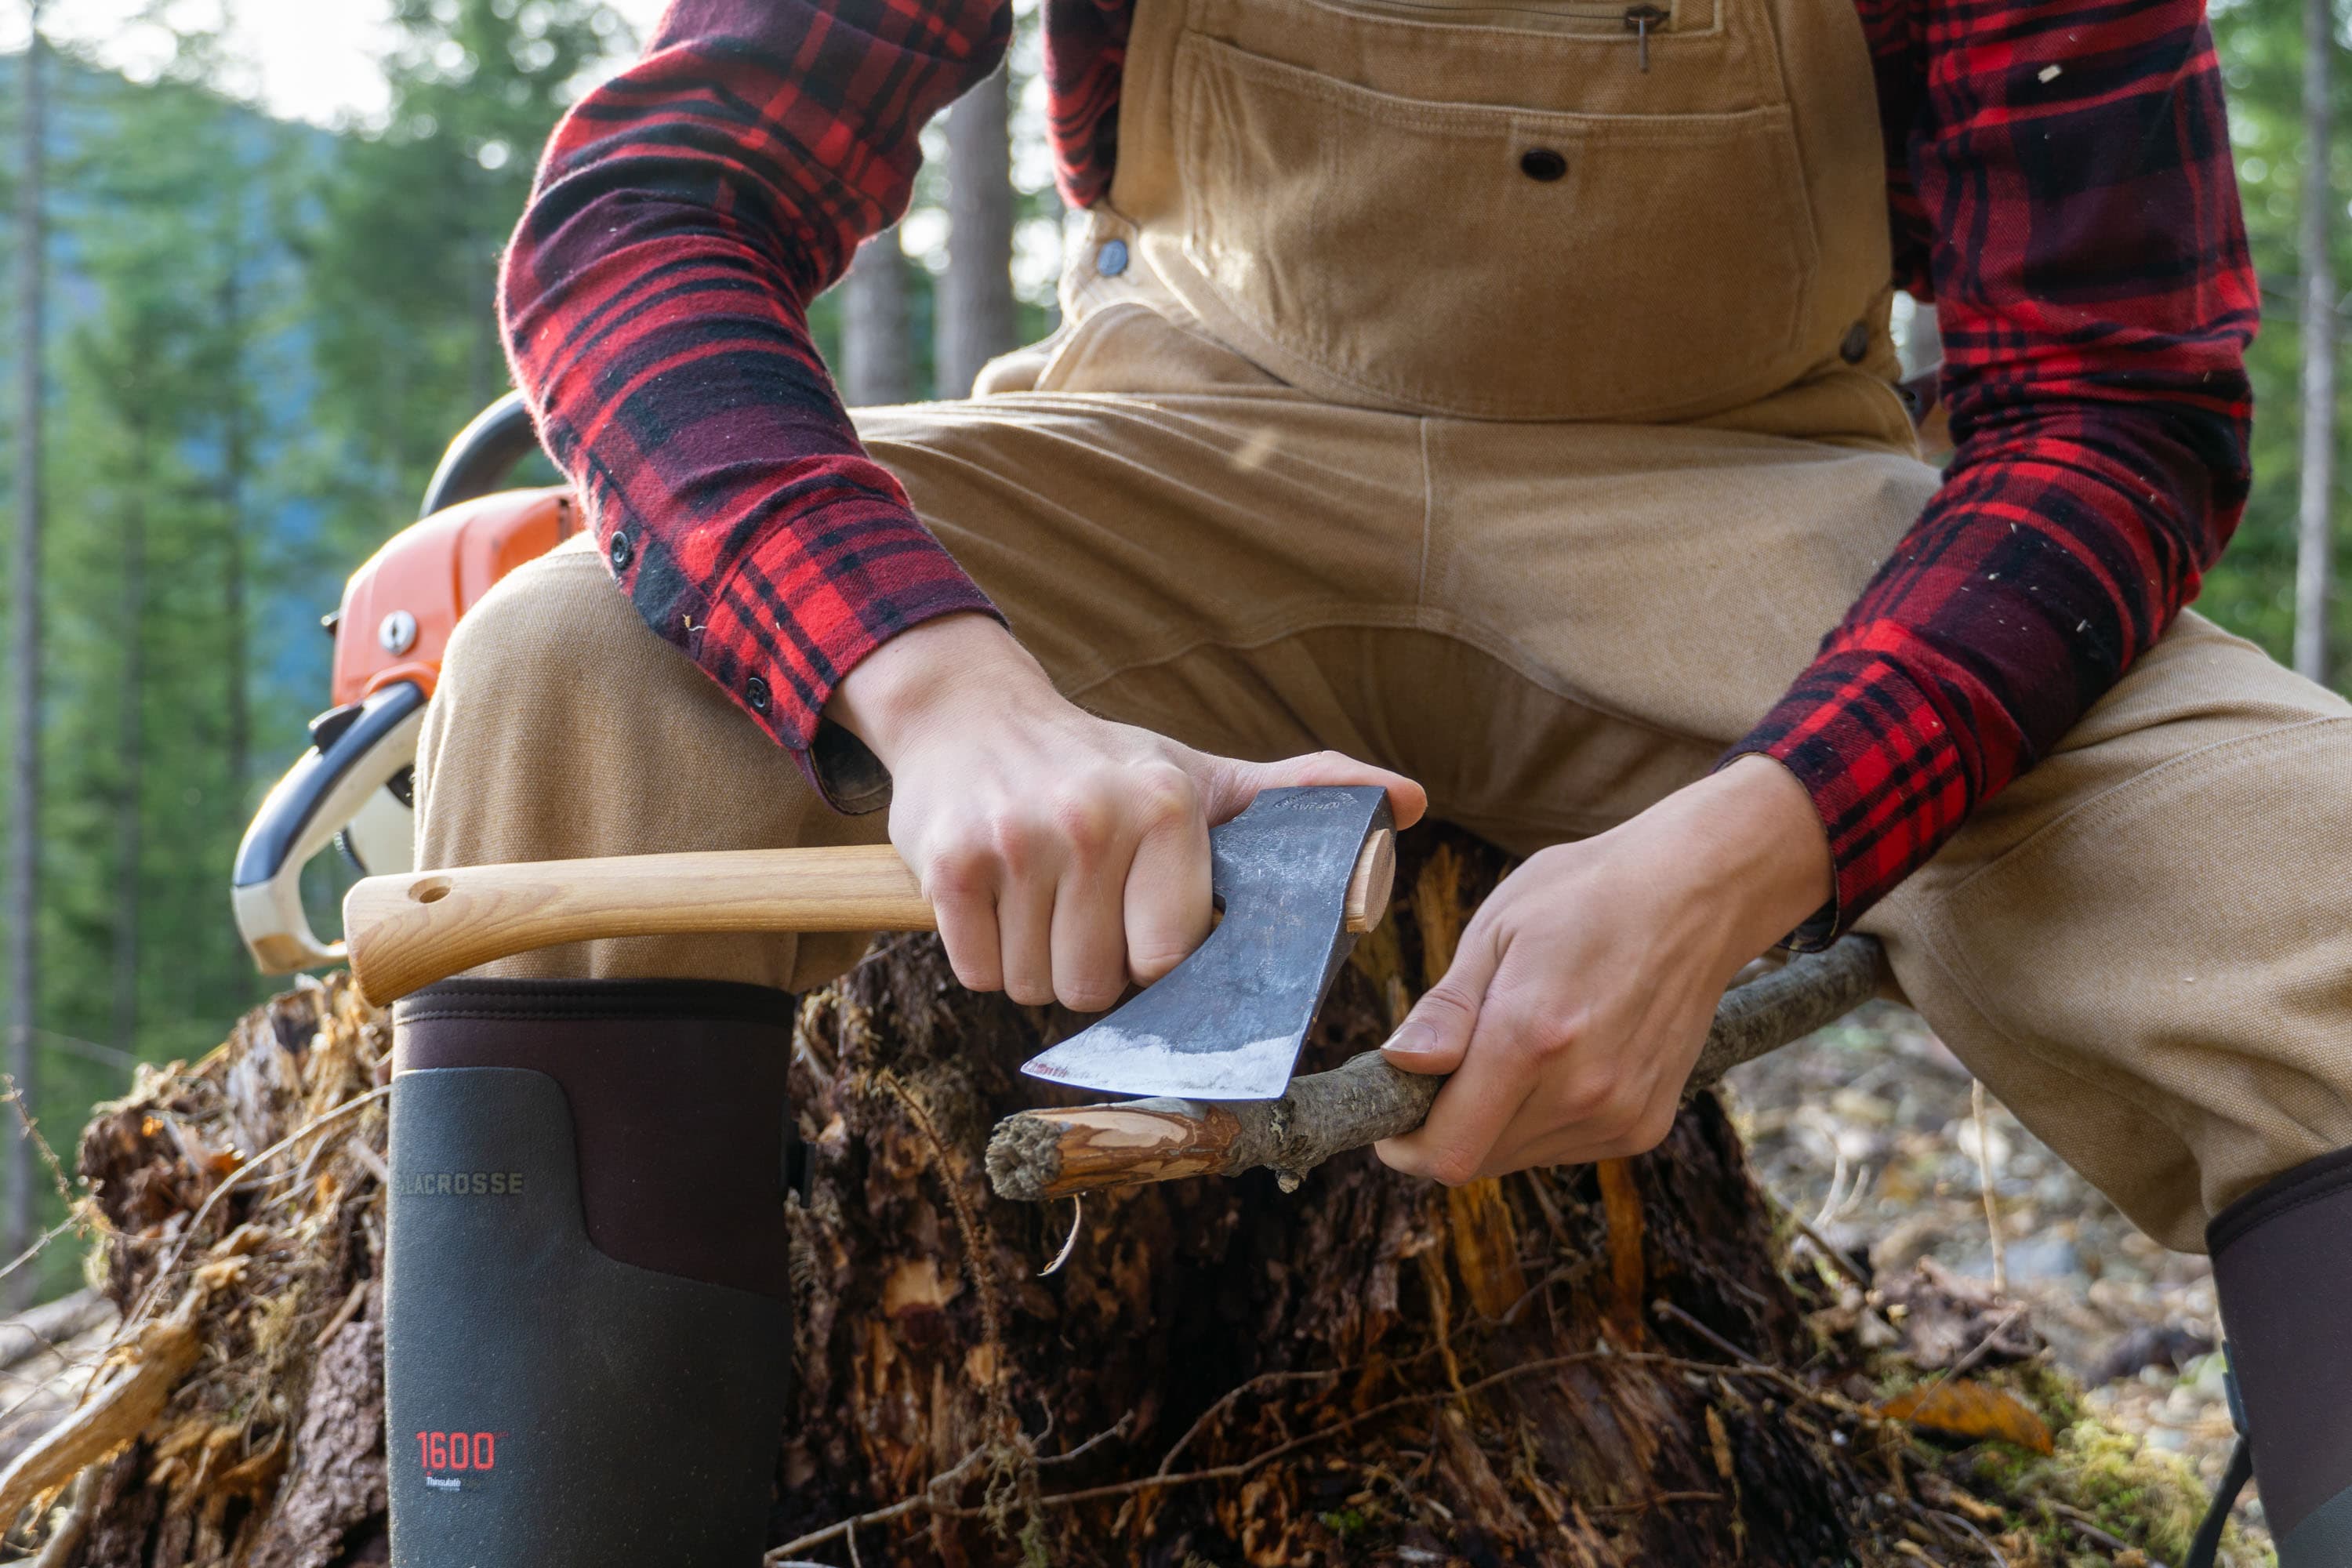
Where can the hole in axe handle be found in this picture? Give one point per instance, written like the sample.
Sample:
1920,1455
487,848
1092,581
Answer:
431,891
1372,881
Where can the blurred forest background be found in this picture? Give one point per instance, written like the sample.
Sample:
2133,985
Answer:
260,333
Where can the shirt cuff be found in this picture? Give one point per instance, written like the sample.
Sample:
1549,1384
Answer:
1887,776
801,609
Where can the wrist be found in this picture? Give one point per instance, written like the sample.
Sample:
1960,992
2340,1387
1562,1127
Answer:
1758,836
953,664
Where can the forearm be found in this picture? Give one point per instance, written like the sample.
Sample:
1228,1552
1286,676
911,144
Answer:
2057,553
655,303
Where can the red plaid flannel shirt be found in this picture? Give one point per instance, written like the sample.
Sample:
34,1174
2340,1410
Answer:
2059,185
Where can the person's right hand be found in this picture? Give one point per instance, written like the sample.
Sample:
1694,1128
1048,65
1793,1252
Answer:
1064,855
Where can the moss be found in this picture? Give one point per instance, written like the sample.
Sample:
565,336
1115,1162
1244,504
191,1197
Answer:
2109,1479
1347,1523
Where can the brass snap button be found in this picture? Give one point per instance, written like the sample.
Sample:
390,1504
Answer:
1542,163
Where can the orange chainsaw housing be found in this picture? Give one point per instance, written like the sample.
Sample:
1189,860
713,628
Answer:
399,608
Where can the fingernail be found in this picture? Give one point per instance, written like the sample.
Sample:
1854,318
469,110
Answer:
1412,1040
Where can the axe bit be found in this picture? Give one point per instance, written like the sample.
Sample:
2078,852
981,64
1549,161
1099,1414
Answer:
1228,1022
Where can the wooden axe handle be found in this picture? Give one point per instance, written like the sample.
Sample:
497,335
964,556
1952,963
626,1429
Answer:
407,931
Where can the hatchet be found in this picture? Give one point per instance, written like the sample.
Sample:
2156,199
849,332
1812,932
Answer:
1296,876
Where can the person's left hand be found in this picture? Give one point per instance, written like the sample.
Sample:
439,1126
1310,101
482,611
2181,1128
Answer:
1584,987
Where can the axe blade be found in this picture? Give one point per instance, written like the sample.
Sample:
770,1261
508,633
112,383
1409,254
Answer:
1228,1022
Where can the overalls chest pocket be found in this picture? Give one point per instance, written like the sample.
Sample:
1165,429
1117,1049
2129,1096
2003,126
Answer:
1534,211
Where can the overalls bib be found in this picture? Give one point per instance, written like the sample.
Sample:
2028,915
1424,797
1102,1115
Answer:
1554,210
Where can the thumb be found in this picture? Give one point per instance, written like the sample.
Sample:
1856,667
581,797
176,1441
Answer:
1436,1035
1239,783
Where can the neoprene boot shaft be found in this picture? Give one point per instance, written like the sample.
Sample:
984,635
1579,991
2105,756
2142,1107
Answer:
2283,1268
587,1330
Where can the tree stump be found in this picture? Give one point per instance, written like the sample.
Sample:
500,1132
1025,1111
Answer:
1585,1366
1369,1366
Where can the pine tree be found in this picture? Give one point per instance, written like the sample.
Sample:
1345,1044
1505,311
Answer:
2316,542
24,886
977,317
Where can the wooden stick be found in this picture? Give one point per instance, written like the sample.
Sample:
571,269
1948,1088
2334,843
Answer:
1051,1153
407,931
125,1397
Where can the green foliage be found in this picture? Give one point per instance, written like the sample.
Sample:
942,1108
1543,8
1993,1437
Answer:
2251,592
157,551
403,260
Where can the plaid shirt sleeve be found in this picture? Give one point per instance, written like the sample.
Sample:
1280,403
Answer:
2063,190
655,303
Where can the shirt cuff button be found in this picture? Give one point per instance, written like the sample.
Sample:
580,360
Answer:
755,692
1111,259
621,551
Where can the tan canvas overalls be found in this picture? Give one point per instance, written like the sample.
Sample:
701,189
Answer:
1441,385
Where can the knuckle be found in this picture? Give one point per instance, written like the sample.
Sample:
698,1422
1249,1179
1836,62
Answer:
1091,993
960,870
1453,1167
1153,956
1015,843
1029,991
1085,820
1165,797
1589,1102
1650,1128
1446,1003
976,977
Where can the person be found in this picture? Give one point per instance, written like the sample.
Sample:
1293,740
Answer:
1492,402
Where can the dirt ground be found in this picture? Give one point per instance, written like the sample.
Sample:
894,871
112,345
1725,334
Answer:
1867,1131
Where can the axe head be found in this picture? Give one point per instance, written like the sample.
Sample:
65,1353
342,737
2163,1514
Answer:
1228,1022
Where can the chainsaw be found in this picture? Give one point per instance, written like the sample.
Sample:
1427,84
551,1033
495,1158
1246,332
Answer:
354,786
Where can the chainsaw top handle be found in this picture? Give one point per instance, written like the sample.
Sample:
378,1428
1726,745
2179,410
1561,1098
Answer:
482,455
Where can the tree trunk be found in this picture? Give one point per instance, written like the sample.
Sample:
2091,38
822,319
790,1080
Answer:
131,733
976,317
2316,533
1584,1366
235,465
25,651
877,363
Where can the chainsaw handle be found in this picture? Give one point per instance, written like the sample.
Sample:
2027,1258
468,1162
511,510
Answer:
406,931
481,455
326,788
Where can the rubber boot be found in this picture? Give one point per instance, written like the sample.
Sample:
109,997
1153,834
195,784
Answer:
587,1334
2282,1268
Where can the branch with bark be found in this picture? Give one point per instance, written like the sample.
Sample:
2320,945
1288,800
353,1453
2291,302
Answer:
1057,1152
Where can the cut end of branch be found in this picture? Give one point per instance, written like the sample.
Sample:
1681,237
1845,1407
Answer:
1025,1158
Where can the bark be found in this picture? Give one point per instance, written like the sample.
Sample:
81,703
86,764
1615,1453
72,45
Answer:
1582,1366
24,642
877,365
2316,531
976,315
